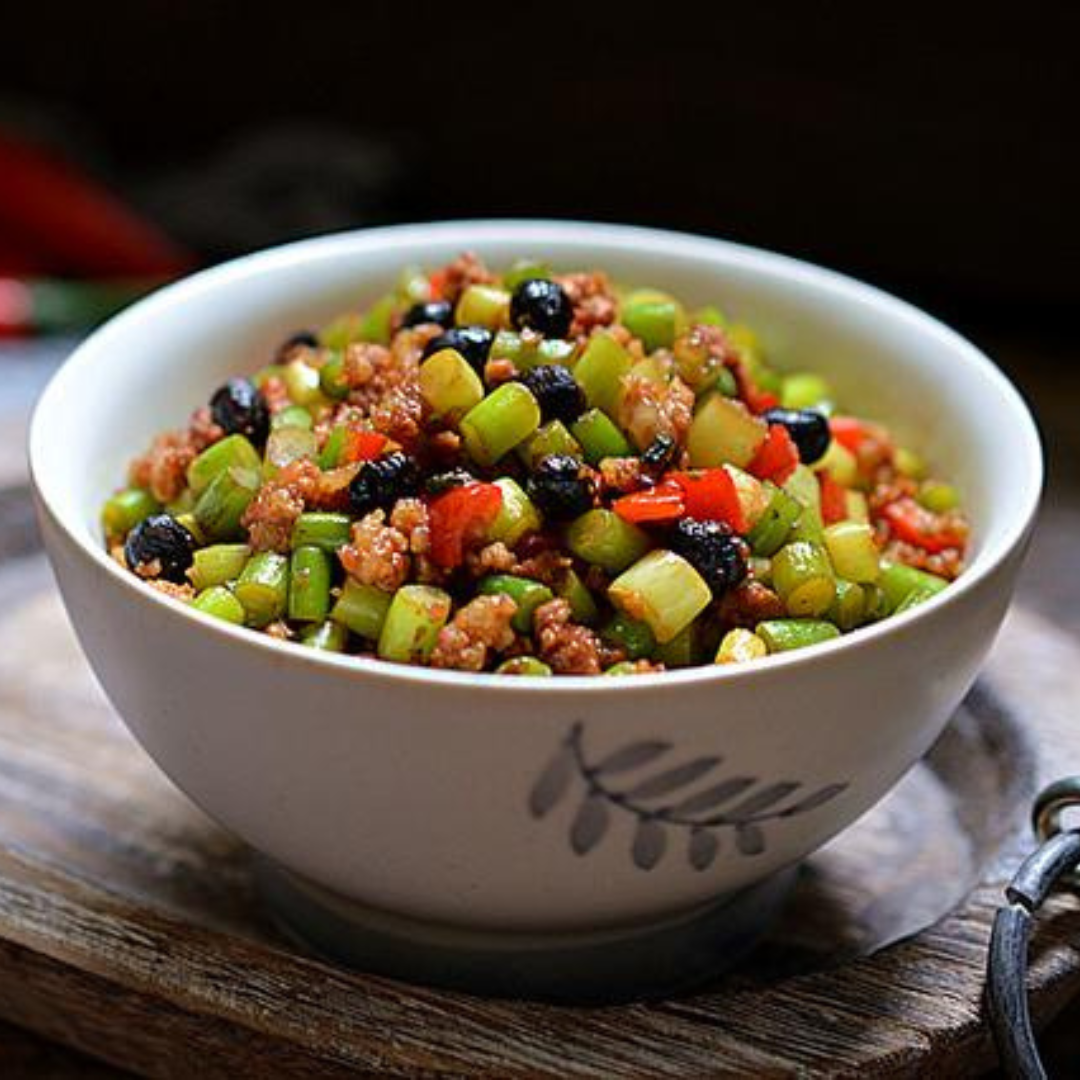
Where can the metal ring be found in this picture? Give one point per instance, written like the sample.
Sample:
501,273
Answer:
1050,806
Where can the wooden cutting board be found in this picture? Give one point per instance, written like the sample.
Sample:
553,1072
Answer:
129,926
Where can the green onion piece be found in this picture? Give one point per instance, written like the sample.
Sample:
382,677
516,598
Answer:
623,667
739,646
124,510
600,372
898,580
683,650
525,353
576,593
772,528
188,521
853,552
517,514
654,317
234,451
302,383
449,385
709,315
218,564
417,613
483,305
321,529
327,636
598,437
848,609
292,416
330,454
523,665
286,445
362,608
342,332
309,584
220,507
553,438
219,602
375,323
525,270
781,635
723,432
938,497
840,463
909,464
506,417
875,606
858,509
602,538
263,588
803,578
804,390
914,599
803,485
526,593
726,383
632,635
662,589
332,378
414,286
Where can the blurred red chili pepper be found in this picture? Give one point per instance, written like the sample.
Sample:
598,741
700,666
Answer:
777,456
916,525
711,495
362,446
833,499
461,516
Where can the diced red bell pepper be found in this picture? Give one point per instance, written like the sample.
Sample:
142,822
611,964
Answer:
833,499
849,432
916,525
461,517
362,446
655,506
711,495
777,456
752,396
437,283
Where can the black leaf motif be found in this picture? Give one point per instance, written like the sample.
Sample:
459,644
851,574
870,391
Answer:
814,800
590,824
631,756
553,782
672,779
650,843
704,847
765,798
714,796
749,839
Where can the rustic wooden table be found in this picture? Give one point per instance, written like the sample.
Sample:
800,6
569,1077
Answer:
942,965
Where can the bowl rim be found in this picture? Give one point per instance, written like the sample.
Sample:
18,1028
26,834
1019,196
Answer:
567,232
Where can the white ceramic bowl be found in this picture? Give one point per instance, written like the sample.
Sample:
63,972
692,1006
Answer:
499,804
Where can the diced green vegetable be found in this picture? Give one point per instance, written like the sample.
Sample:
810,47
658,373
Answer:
517,514
332,378
857,507
723,431
709,315
633,635
531,351
761,569
840,463
506,417
483,305
848,609
124,510
330,454
342,332
683,650
218,564
263,588
292,416
804,390
740,645
853,552
414,286
526,593
302,383
234,451
802,484
662,589
362,608
604,539
416,615
327,636
286,445
219,602
449,385
803,578
898,580
220,507
309,584
781,635
576,593
552,438
600,371
599,437
523,665
321,529
772,528
938,497
525,270
374,325
754,496
654,317
265,374
914,599
909,464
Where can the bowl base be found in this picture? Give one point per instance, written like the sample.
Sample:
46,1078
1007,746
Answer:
641,962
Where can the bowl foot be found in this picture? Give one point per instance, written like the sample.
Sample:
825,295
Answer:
602,967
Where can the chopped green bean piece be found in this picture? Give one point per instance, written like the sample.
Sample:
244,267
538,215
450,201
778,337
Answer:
517,514
449,385
914,599
804,390
553,438
740,645
600,371
526,593
781,635
803,578
772,528
662,589
332,378
321,529
220,507
286,445
598,437
938,497
219,602
483,305
414,286
898,580
803,485
292,416
327,636
623,667
416,615
909,464
309,584
709,315
263,588
523,665
330,454
576,593
532,351
375,323
604,539
362,608
342,332
302,383
723,432
840,463
683,650
124,510
848,609
525,270
654,317
853,551
218,564
634,636
506,417
232,452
